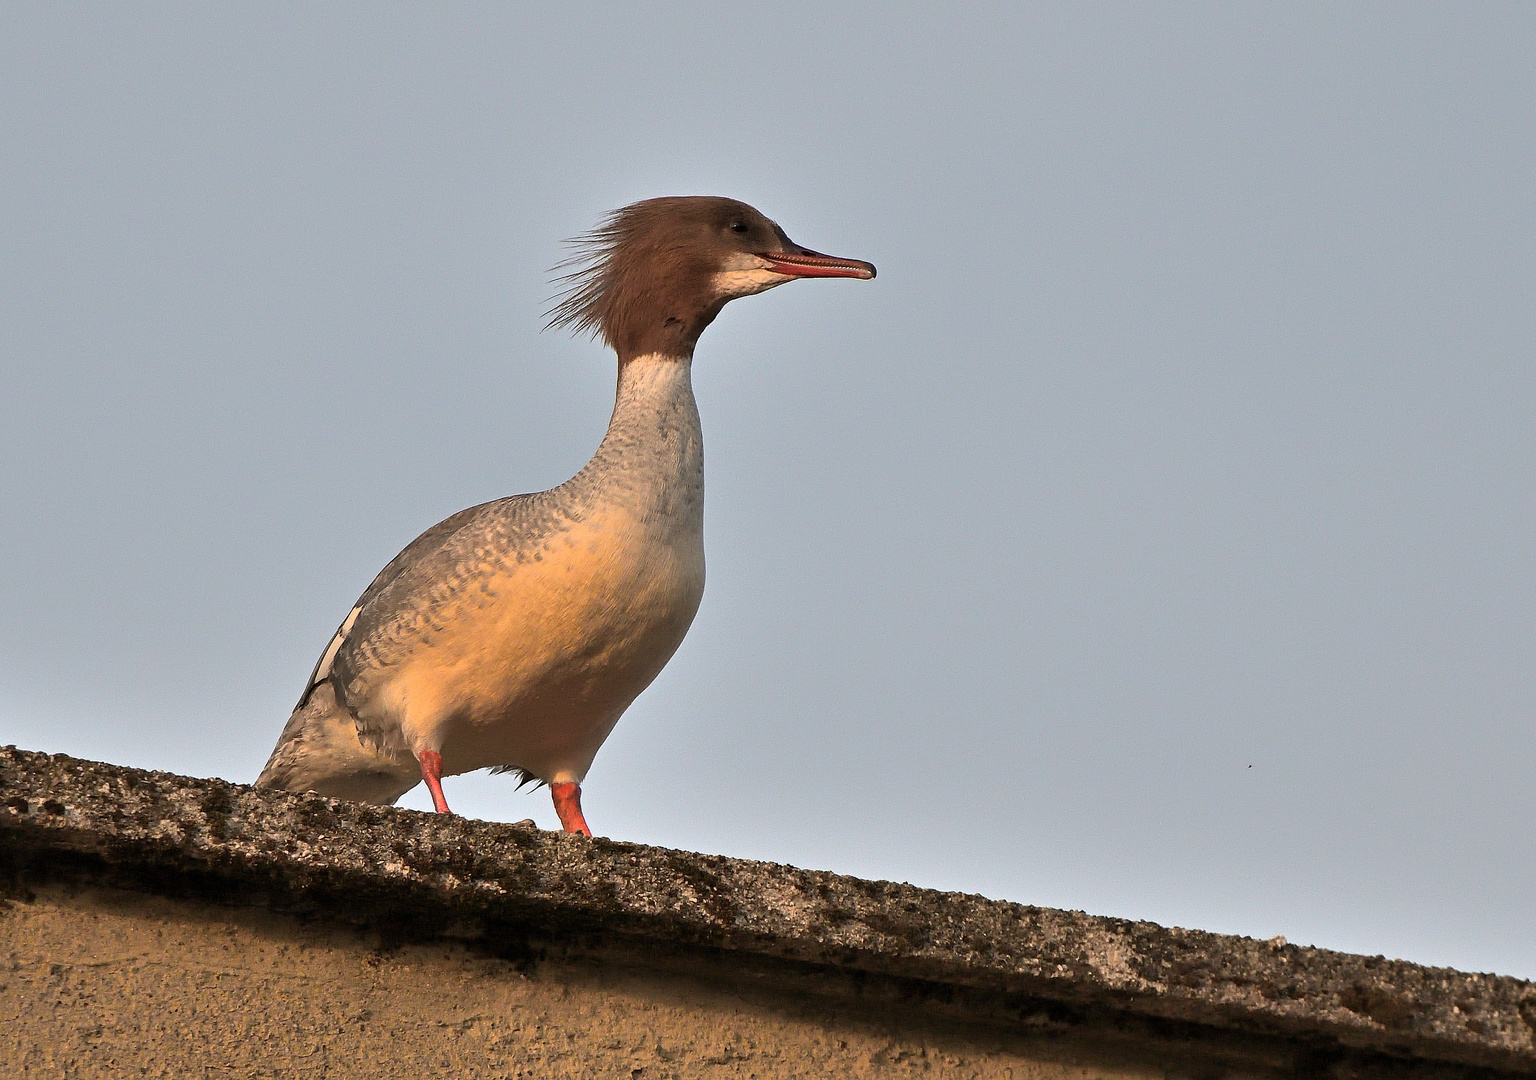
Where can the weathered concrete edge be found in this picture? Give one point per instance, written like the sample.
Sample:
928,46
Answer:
345,857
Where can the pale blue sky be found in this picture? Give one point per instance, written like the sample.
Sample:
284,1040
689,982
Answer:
1156,536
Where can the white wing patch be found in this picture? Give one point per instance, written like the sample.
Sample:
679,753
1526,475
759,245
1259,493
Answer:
323,669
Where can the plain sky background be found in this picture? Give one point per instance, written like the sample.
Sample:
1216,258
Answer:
1156,536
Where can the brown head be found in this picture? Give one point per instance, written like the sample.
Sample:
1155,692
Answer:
656,273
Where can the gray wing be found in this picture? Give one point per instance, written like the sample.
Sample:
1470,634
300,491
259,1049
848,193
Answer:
427,592
420,548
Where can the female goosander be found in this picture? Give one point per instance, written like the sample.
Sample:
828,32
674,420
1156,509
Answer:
514,634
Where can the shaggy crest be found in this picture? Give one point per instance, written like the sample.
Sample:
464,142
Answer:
583,277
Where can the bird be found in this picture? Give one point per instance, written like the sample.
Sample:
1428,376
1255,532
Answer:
514,634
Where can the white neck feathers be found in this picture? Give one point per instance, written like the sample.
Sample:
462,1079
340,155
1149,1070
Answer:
651,460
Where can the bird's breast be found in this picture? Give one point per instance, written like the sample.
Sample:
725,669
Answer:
536,661
595,604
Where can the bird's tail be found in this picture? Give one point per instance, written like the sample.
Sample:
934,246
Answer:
319,751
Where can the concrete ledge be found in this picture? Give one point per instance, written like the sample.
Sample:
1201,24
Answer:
516,891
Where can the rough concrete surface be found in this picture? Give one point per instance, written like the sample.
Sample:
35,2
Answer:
163,923
93,979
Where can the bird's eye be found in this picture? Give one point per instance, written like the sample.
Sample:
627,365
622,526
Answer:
738,226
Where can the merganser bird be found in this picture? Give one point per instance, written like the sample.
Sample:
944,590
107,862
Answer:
514,634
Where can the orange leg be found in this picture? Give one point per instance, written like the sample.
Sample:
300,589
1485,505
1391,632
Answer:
568,805
432,773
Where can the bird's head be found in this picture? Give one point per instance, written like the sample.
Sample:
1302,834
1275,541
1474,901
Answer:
656,273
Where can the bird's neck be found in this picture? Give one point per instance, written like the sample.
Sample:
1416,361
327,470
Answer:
651,460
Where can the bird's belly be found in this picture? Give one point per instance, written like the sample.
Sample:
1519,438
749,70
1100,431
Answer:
533,667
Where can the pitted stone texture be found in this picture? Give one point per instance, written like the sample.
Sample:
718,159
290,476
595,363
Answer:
454,876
